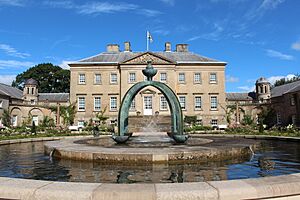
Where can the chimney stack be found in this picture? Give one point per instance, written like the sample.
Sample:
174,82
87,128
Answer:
113,48
127,47
168,47
182,48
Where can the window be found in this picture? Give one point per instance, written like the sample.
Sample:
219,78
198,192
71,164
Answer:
32,90
113,103
113,78
81,103
132,77
132,105
32,102
1,103
35,120
182,102
213,103
294,119
163,77
97,103
27,90
163,103
214,122
97,79
14,120
80,123
81,78
293,100
278,117
181,77
197,77
198,103
213,78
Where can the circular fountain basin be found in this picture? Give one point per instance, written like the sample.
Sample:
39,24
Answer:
153,148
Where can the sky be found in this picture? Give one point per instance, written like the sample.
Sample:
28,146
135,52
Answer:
257,38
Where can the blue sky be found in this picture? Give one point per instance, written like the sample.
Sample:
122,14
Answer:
256,37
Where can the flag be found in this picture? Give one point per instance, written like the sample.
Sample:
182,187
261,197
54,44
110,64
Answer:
149,37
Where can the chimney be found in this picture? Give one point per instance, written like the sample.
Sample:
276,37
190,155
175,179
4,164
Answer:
168,47
182,48
127,47
113,48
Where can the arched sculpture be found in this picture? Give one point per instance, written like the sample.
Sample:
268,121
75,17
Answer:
175,108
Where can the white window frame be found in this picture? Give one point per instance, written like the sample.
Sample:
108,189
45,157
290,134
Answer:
181,77
81,79
113,104
81,103
214,122
98,80
163,105
197,77
35,119
182,101
131,77
197,103
14,120
113,78
163,77
132,105
211,79
213,102
97,103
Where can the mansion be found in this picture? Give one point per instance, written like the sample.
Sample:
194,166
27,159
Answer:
99,83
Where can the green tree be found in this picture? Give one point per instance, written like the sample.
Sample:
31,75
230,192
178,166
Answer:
50,78
284,81
6,120
68,113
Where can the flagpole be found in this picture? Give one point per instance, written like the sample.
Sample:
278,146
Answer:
147,41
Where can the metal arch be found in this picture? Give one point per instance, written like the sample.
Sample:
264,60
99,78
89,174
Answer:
175,108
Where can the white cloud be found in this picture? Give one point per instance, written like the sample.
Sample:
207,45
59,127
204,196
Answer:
7,79
6,64
12,3
215,35
247,88
94,8
169,2
296,45
277,54
265,6
161,32
12,51
273,79
232,79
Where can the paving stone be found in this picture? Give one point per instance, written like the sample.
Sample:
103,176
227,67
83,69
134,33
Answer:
66,191
125,192
185,191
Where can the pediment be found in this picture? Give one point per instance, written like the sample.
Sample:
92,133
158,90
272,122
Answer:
148,56
147,91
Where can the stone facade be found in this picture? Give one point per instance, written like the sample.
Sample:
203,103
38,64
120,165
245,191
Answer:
101,81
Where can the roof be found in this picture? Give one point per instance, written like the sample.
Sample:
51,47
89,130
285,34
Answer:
10,91
286,88
236,96
31,81
54,97
119,57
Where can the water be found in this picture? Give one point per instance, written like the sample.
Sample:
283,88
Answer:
28,161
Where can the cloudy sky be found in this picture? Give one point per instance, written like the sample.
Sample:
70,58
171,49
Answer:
256,37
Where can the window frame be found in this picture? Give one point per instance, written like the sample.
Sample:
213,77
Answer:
200,78
115,108
163,104
132,105
80,80
195,103
100,101
95,79
182,103
160,77
210,78
179,79
212,107
112,81
129,77
81,109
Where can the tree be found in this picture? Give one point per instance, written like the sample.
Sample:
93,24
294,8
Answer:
6,120
50,78
68,113
284,81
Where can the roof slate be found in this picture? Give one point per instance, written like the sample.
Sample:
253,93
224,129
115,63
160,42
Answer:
286,88
54,97
10,91
119,57
236,96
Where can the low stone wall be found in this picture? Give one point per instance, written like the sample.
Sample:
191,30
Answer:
285,187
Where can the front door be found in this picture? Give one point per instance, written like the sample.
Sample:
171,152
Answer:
147,105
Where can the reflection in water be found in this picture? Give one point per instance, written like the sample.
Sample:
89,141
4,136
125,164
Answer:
27,160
